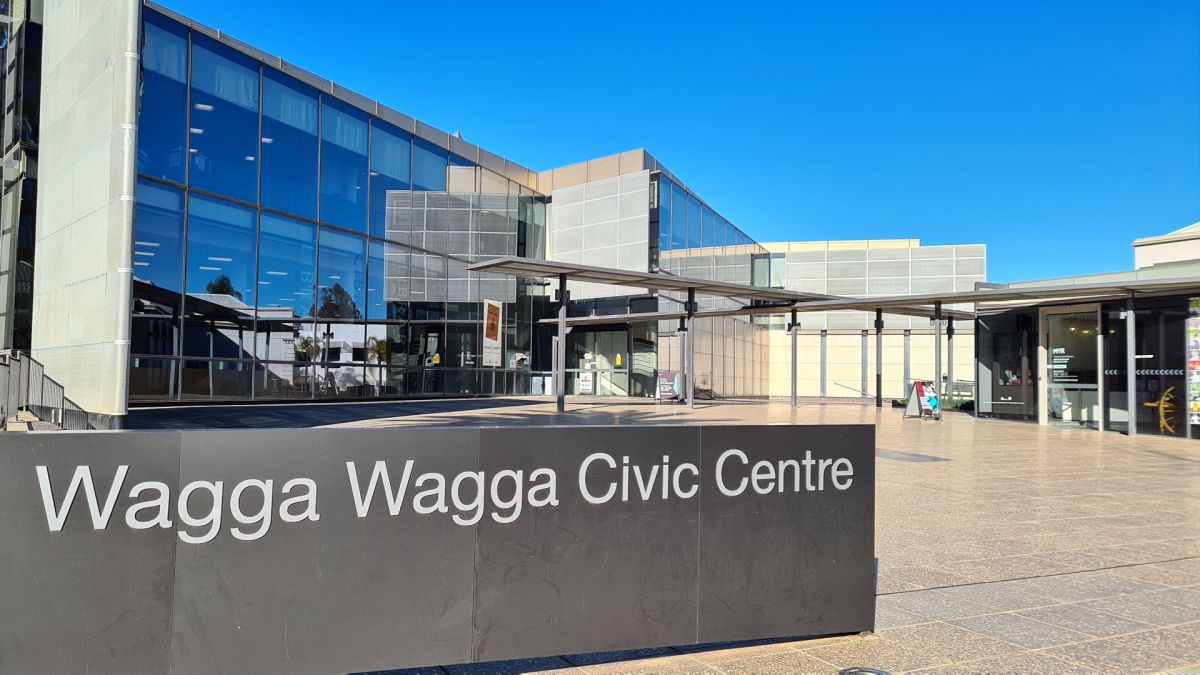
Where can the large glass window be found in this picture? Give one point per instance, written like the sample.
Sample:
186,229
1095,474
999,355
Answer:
678,218
343,165
157,270
341,277
162,119
287,267
219,311
224,123
289,145
709,234
429,166
664,214
693,218
391,163
158,243
220,251
387,279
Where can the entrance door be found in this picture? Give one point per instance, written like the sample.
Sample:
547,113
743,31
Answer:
1071,385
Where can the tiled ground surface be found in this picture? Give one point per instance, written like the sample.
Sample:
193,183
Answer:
1029,549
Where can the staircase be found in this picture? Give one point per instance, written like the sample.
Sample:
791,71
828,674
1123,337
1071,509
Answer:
32,401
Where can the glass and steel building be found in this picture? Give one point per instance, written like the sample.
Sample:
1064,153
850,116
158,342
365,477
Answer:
215,224
291,242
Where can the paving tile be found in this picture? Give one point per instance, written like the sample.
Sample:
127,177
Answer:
1190,565
1157,575
671,665
936,605
1148,552
782,662
1149,608
1168,641
1087,586
1183,597
1082,560
1085,620
947,644
1192,628
1111,656
926,577
886,584
1020,630
1030,663
1001,596
872,652
888,616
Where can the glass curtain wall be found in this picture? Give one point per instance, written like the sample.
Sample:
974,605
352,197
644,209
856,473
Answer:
1161,396
291,246
1006,358
695,241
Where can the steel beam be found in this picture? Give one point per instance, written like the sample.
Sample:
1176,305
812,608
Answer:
560,377
794,329
1131,364
937,349
879,358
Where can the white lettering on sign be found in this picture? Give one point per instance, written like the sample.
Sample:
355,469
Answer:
388,490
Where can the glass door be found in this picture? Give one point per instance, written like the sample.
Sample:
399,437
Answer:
1072,368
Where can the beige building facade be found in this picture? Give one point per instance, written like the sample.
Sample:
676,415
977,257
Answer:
837,350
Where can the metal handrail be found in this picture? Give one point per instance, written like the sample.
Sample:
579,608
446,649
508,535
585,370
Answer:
860,392
24,385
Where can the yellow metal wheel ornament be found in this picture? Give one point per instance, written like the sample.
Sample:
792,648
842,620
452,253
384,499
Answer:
1168,411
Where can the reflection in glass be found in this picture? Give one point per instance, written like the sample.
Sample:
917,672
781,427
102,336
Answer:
289,145
425,346
157,270
287,267
678,217
391,159
151,379
710,228
693,219
162,118
664,214
220,252
341,277
205,379
158,246
387,279
429,166
343,165
386,351
224,125
219,312
343,354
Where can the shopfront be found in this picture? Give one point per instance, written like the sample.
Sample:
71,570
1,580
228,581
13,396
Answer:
1066,365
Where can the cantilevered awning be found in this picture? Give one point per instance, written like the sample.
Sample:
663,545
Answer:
783,301
1032,294
529,267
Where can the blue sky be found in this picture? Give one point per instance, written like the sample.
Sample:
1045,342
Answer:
1054,132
